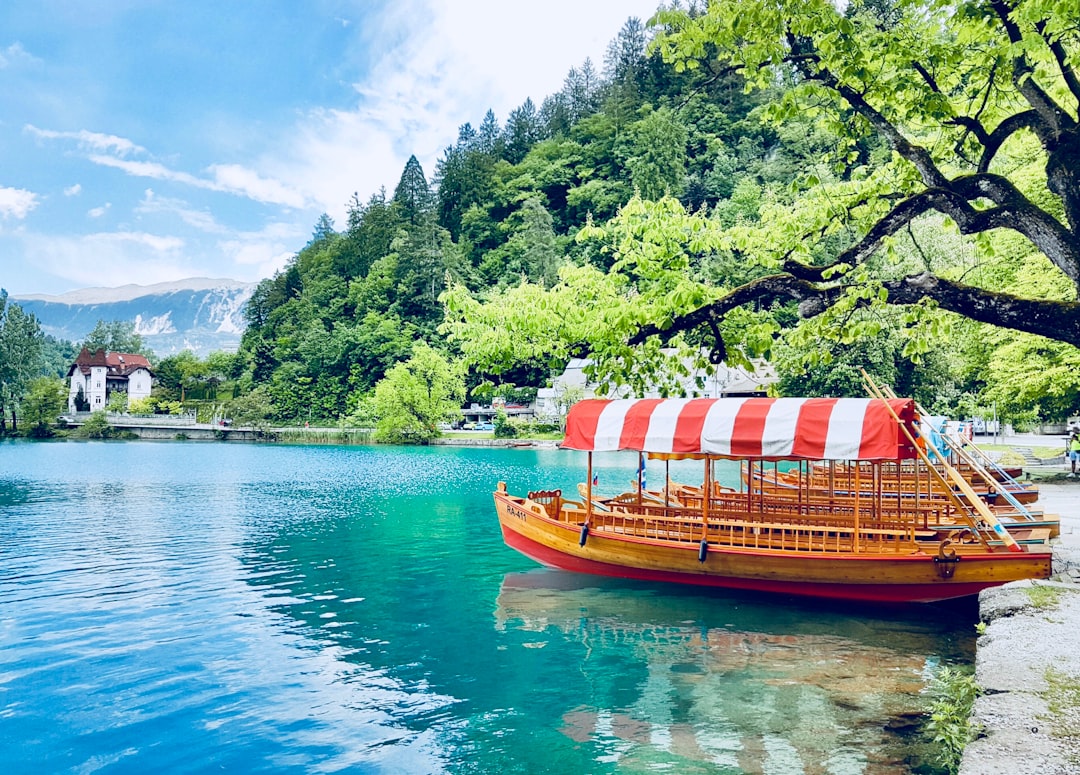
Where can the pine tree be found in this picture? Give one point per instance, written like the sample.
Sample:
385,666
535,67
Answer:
523,130
412,195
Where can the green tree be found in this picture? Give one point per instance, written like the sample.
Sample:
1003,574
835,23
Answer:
372,227
179,374
523,130
253,409
117,403
416,396
117,336
959,92
21,343
657,155
96,427
45,401
532,250
413,195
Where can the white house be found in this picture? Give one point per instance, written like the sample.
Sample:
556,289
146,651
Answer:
725,381
96,376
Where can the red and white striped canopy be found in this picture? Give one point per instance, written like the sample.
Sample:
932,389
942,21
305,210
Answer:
774,428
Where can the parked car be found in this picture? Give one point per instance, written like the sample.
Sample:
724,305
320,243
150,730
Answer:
485,426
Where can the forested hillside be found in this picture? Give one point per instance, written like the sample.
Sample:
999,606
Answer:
657,200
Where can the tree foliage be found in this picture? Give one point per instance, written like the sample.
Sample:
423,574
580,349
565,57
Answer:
417,395
825,185
45,401
118,336
956,91
21,343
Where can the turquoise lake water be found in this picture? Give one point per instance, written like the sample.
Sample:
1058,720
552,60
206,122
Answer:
185,607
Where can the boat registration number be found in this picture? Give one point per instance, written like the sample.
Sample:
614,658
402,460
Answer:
514,511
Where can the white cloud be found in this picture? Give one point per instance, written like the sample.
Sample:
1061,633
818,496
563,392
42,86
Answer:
16,202
202,220
263,252
147,169
109,258
112,151
227,178
239,180
94,141
97,212
447,67
73,190
16,54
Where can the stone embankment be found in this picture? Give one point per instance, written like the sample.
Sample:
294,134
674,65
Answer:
1028,661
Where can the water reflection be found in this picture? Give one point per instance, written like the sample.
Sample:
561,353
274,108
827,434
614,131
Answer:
202,607
725,684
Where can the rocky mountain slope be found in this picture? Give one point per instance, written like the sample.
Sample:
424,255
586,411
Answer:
200,314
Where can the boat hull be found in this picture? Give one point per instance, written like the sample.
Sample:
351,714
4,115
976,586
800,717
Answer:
892,578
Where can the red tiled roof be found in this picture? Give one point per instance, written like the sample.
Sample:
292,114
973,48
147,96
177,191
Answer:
116,364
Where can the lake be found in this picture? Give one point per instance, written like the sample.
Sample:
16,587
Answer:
188,607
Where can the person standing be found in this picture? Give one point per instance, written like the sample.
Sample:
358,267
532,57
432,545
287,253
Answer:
1074,452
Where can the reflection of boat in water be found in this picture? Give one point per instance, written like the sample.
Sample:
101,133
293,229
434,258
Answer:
857,545
720,684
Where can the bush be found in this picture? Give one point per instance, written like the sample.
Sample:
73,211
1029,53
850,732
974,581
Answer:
953,693
96,427
505,428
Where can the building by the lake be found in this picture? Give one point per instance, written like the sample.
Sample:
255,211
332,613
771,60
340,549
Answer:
94,377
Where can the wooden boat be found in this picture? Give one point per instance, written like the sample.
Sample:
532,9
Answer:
904,488
819,544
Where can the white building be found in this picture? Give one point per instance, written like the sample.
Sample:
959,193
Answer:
96,376
726,381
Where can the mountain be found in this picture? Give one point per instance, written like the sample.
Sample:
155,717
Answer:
198,314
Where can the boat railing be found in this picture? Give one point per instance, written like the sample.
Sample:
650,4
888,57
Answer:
687,526
886,506
551,500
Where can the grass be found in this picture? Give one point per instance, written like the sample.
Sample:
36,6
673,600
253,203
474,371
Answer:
325,435
1044,597
1040,452
1062,698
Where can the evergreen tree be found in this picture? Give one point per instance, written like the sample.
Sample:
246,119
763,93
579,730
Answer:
555,115
412,196
489,138
581,92
657,155
464,178
324,230
626,54
372,227
523,130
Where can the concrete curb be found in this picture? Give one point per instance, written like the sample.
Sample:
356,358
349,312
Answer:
1032,634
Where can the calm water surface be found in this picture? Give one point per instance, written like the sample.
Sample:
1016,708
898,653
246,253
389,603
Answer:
193,608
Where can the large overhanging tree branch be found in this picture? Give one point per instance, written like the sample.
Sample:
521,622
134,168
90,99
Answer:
948,86
1053,319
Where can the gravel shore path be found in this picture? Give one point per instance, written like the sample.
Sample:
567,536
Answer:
1028,658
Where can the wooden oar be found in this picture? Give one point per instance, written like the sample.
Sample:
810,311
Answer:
974,501
963,454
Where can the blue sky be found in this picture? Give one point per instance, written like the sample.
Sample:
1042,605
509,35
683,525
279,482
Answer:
145,142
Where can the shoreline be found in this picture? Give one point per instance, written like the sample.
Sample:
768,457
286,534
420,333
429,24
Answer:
1027,658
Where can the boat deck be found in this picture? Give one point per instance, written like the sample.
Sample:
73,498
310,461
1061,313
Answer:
782,526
